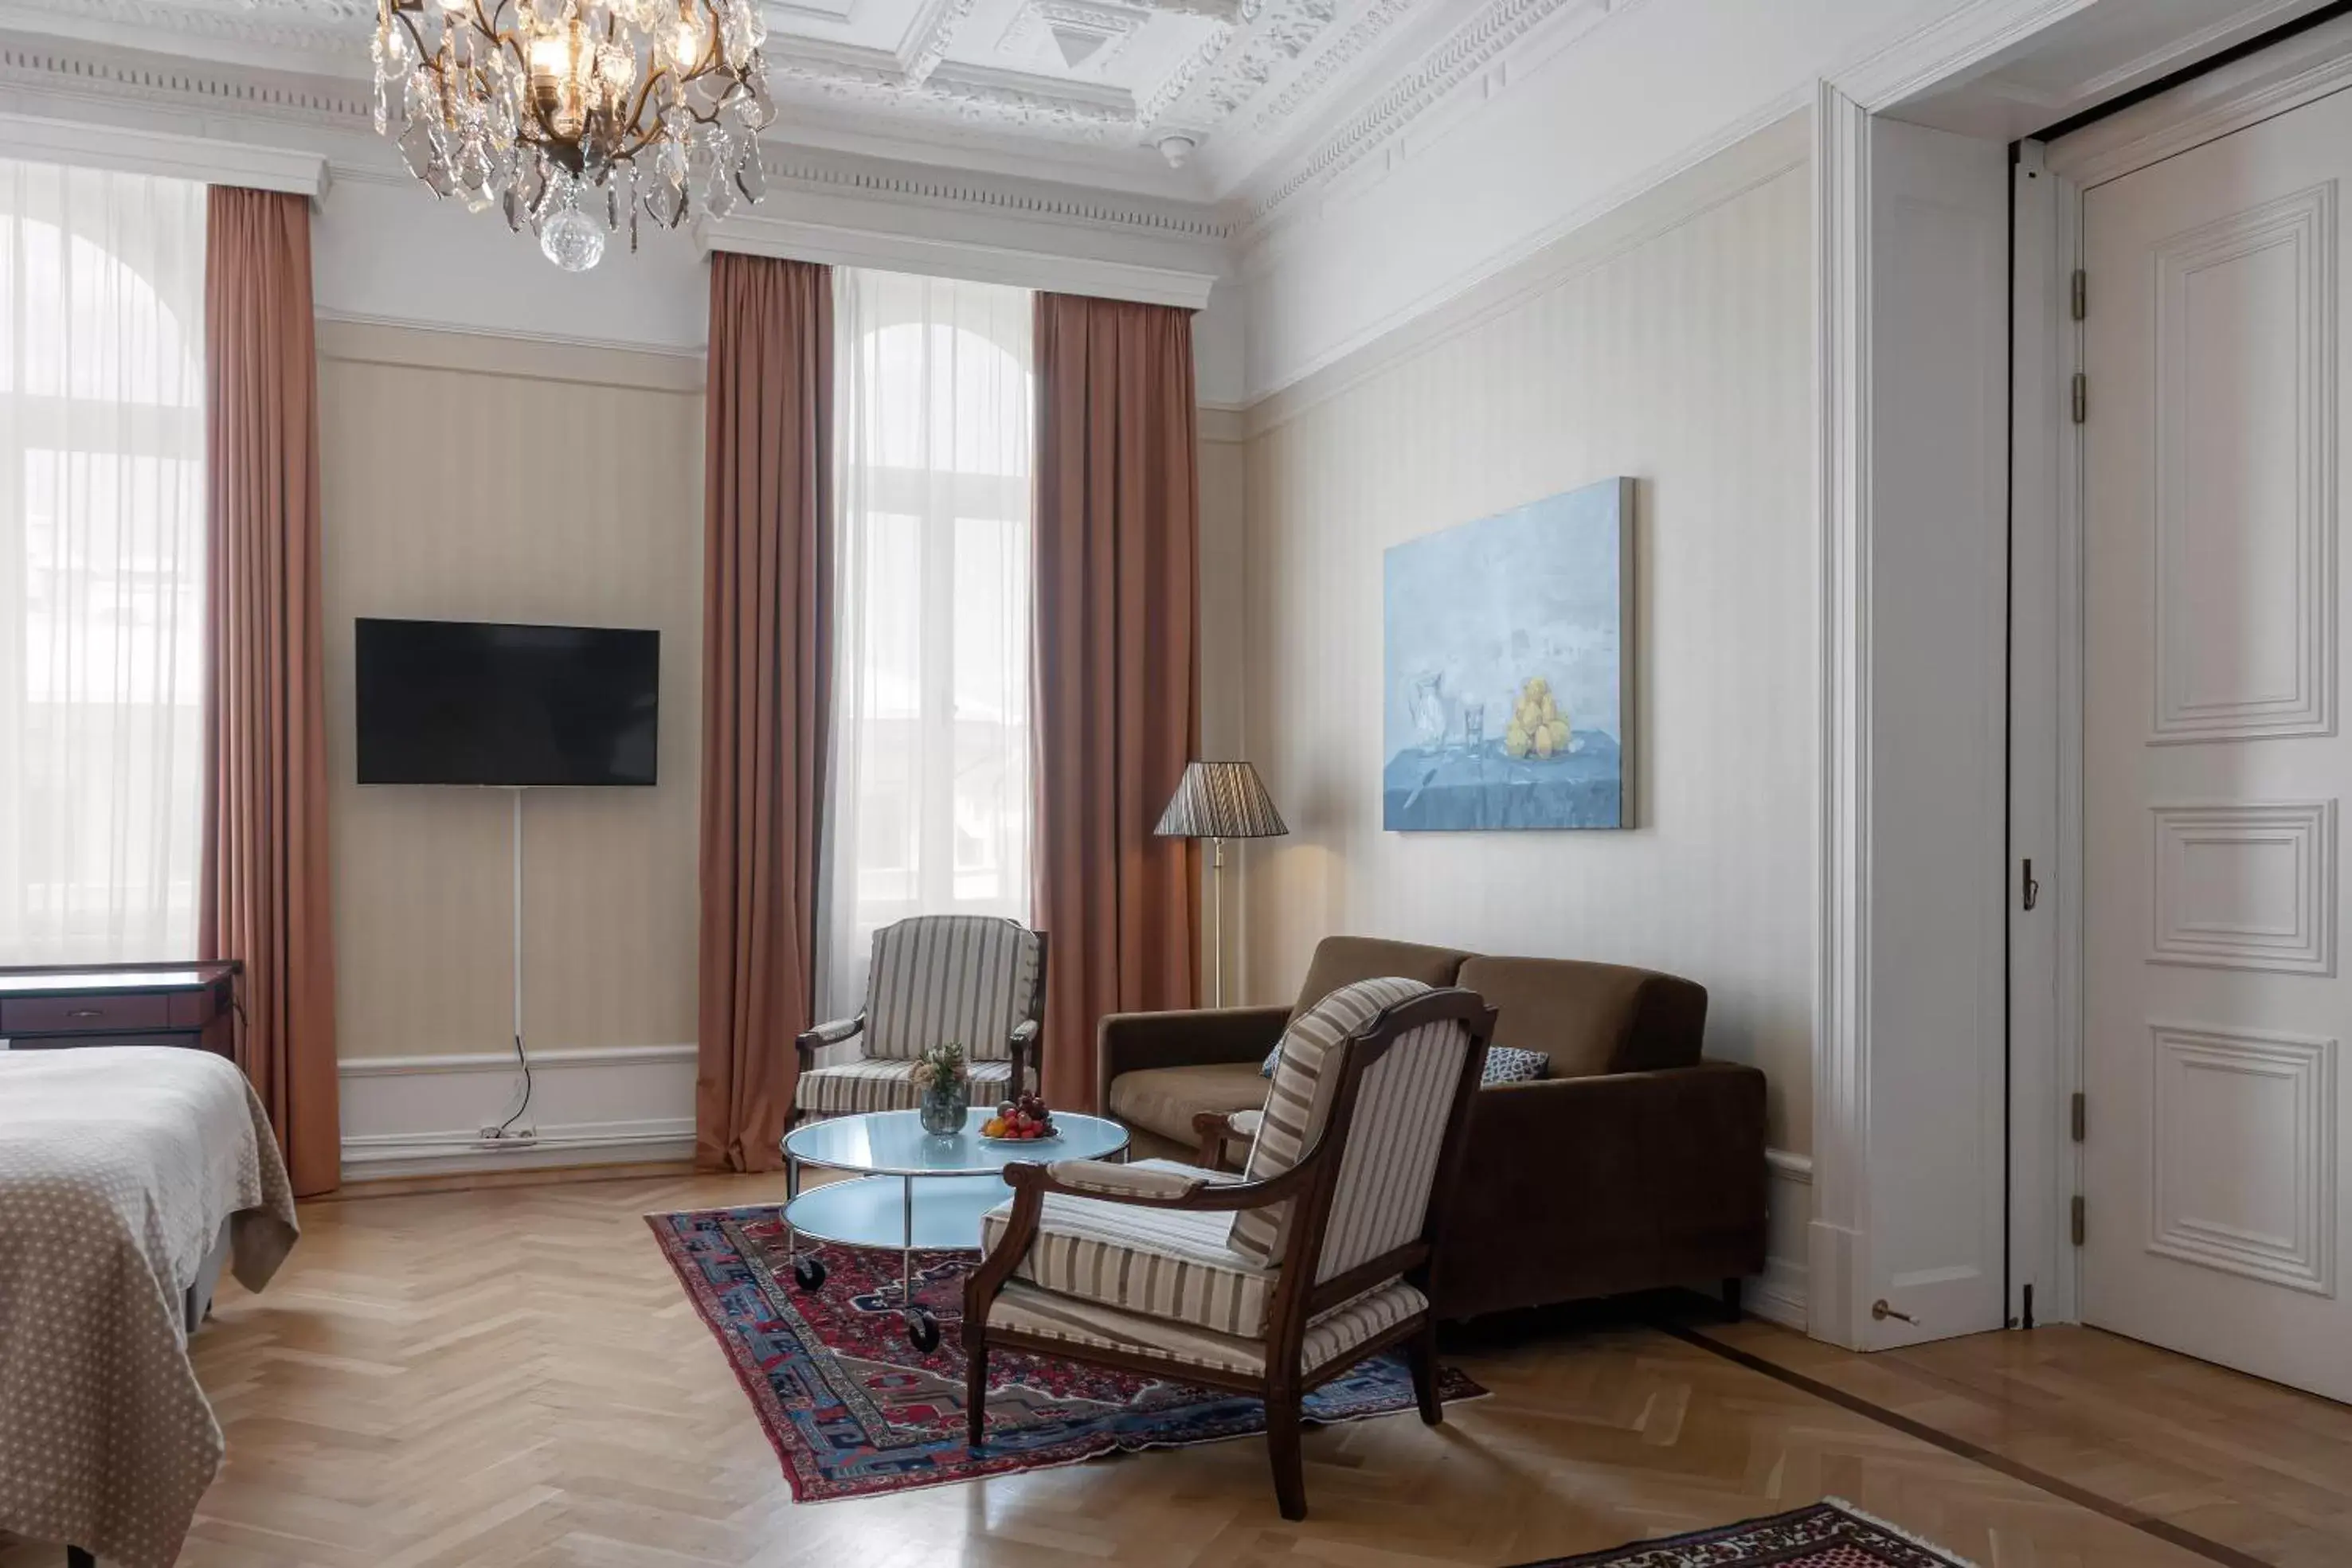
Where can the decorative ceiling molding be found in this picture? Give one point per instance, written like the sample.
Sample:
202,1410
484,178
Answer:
333,29
209,159
113,77
812,170
1322,49
115,80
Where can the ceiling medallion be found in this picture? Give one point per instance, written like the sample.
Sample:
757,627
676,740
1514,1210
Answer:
576,116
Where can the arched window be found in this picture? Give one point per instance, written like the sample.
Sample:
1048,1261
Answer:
929,806
101,563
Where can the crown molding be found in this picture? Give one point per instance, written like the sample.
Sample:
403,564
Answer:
123,79
207,160
943,255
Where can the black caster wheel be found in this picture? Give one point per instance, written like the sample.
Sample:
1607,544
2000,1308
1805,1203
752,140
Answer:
922,1330
808,1273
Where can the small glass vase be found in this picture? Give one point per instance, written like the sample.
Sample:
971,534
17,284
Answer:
944,1107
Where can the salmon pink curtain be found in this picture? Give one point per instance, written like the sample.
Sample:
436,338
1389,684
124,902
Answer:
264,896
1117,709
766,673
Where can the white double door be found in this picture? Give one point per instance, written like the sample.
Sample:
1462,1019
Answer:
2215,761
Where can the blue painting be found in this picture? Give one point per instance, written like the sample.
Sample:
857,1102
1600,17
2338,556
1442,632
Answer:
1506,669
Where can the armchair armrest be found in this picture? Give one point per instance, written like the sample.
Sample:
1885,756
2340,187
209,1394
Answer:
809,1042
1083,1178
1028,1059
1217,1128
1101,1178
1129,1042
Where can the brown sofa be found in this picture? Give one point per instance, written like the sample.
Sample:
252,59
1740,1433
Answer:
1634,1165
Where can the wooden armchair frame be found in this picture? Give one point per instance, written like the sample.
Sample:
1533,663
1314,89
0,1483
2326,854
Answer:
1312,1185
1028,1057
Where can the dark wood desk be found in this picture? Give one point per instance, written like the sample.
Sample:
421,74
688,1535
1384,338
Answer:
121,1004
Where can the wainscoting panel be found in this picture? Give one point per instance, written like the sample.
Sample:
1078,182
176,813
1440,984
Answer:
413,1115
2248,886
2243,1155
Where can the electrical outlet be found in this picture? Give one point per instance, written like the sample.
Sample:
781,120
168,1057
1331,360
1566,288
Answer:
508,1137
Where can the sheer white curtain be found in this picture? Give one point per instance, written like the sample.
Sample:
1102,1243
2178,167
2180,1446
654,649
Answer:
101,563
928,805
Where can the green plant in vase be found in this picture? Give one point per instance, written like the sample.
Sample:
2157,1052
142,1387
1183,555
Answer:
946,1088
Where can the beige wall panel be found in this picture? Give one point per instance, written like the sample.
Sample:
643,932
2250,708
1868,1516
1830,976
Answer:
467,479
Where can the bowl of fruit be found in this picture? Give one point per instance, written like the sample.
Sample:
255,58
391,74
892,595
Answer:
1024,1120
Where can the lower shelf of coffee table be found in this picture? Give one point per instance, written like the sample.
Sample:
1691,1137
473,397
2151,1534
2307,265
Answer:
870,1212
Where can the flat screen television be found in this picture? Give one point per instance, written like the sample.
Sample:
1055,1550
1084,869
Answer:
455,702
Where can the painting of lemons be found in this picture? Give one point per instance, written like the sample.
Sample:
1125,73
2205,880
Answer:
1507,670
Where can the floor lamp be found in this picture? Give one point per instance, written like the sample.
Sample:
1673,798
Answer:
1216,801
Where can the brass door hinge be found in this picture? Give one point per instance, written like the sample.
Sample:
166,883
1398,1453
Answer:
2078,294
2082,397
2075,1117
2076,1219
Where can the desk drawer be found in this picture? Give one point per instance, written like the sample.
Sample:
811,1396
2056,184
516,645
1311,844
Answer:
85,1014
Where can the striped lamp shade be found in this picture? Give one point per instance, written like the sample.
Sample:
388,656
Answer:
1221,801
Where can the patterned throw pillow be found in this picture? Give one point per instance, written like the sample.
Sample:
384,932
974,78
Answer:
1508,1064
1505,1064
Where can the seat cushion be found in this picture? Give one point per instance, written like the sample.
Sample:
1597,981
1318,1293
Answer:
852,1088
1163,1263
1163,1100
1332,1339
1592,1019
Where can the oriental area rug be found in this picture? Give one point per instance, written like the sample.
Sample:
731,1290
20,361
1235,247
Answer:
1830,1534
853,1410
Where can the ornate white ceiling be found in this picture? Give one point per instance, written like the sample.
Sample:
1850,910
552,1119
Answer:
1192,99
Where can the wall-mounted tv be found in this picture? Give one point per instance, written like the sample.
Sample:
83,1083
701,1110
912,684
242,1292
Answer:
455,702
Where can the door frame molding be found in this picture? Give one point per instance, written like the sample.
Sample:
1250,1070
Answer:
2046,632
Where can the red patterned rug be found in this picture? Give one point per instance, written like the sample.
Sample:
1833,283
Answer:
854,1411
1832,1534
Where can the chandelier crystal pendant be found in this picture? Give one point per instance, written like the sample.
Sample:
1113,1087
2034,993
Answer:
576,116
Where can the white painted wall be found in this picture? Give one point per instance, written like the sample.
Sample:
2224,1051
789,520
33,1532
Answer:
1538,147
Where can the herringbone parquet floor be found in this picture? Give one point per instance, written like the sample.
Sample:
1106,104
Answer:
511,1377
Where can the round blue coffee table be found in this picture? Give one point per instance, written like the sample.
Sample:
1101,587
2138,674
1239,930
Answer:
913,1188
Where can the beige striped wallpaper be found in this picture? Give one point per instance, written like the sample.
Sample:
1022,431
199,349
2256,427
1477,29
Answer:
1671,342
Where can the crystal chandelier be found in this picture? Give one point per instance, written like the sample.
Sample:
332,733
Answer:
576,116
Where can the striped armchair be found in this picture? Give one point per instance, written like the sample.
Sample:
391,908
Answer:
973,979
1272,1281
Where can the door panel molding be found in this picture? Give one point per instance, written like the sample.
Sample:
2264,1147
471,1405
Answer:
2295,884
2242,1159
2198,621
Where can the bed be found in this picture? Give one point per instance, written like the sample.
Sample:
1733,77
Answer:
128,1176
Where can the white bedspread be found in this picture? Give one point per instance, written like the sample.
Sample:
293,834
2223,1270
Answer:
118,1166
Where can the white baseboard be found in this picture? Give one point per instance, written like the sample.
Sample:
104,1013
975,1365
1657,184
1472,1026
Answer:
420,1115
1778,1295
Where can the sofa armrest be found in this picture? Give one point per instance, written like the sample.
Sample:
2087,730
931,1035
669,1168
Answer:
1129,1042
1587,1186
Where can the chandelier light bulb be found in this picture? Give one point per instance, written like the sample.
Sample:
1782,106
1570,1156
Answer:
687,41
